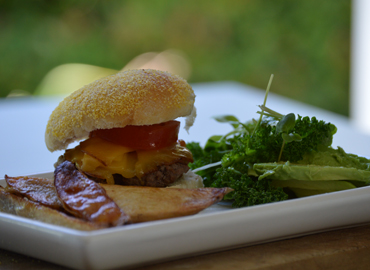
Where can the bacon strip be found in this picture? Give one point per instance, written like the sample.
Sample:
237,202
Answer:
39,190
85,198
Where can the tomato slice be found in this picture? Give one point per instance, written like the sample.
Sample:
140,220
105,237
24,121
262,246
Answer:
148,137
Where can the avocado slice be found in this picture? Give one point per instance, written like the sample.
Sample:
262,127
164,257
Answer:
304,188
288,171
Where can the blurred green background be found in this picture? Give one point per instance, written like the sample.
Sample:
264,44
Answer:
304,43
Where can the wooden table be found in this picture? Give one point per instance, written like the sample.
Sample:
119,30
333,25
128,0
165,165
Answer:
340,249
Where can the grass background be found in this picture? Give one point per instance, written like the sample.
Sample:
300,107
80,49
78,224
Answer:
304,43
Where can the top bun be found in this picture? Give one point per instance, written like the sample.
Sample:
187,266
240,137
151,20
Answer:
132,97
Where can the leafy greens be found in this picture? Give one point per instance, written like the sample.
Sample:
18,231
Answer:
228,160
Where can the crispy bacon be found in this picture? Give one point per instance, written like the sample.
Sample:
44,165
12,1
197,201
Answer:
85,198
39,190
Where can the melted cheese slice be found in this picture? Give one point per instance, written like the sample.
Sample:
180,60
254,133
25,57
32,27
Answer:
102,159
106,152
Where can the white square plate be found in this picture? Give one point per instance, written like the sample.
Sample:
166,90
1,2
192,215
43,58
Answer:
214,229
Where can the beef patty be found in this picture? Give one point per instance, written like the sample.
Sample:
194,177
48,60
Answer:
162,177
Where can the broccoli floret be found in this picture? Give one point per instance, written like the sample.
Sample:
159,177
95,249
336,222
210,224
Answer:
267,142
248,190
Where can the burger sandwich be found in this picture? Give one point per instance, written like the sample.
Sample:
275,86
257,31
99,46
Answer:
126,122
128,152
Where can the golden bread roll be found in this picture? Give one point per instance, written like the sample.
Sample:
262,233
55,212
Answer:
132,97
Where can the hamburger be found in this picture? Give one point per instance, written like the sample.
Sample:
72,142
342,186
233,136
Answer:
127,129
128,149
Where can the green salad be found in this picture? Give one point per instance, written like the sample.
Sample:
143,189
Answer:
275,158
